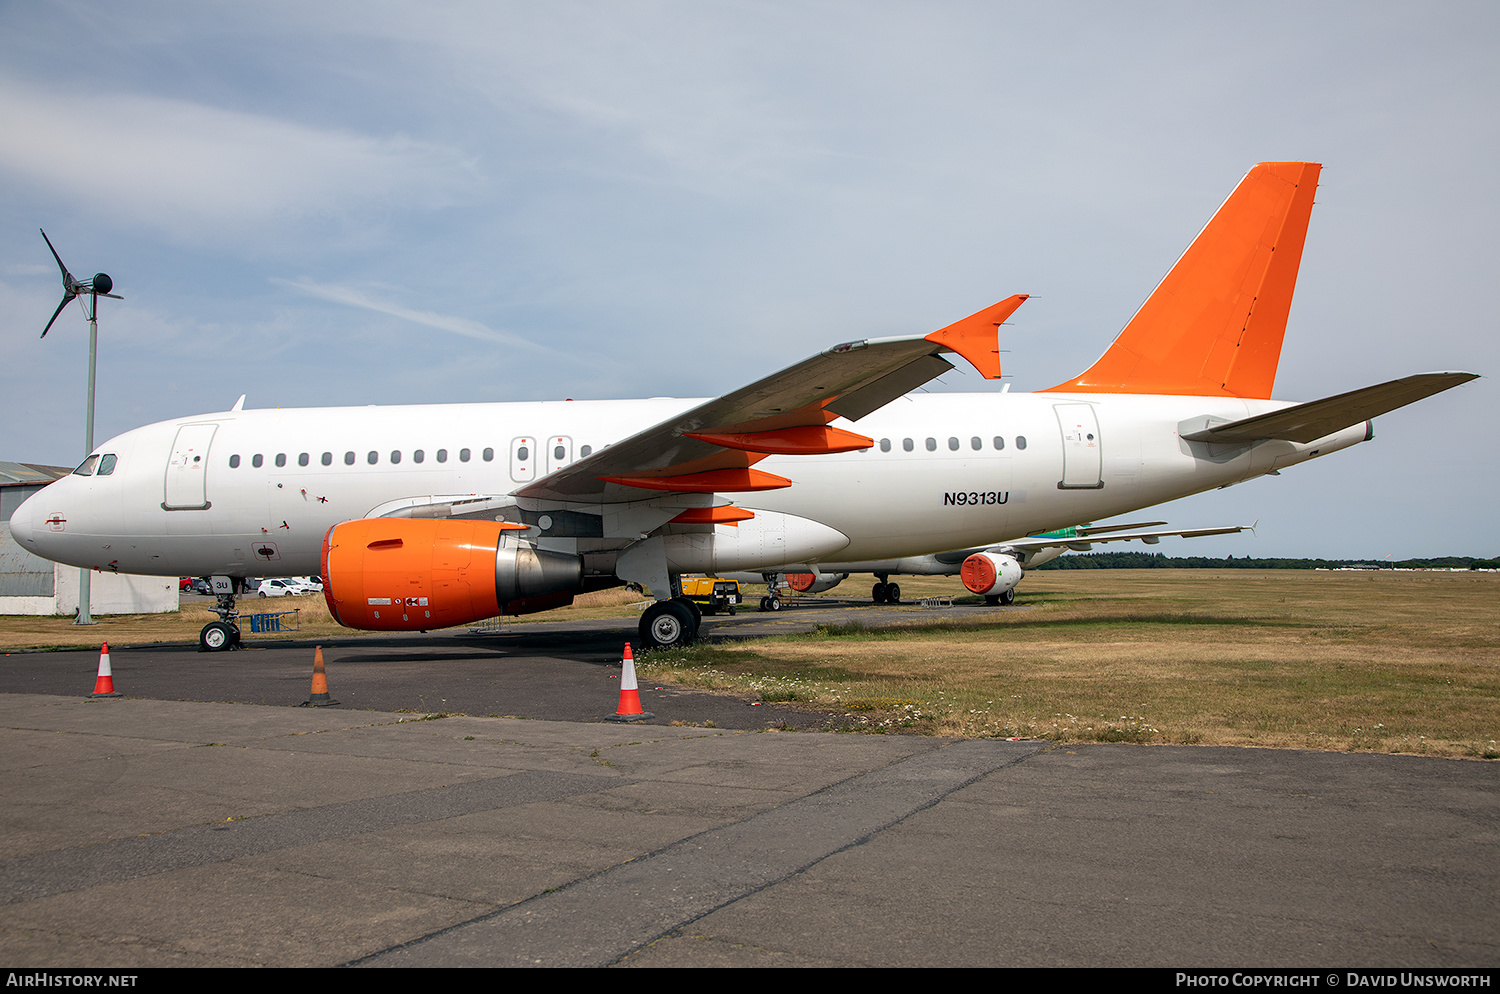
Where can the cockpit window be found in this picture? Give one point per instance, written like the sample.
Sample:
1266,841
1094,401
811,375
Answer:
107,463
86,468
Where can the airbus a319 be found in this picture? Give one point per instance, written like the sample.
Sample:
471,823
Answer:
424,517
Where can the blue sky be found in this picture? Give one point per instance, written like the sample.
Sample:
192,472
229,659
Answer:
353,203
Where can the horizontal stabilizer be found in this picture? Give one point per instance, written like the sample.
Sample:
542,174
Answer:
1307,422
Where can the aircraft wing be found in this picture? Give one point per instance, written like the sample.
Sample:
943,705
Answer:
712,447
1084,539
1308,422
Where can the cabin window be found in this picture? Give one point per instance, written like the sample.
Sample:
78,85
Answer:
372,457
885,445
906,444
442,455
106,464
999,443
302,459
523,453
953,444
234,463
585,451
489,455
418,455
281,459
463,455
559,453
328,459
257,460
1020,441
395,455
349,458
932,445
976,443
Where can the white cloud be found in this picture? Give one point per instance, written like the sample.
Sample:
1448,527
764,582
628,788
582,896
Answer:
442,322
195,170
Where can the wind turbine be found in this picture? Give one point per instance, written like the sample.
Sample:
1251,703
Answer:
76,289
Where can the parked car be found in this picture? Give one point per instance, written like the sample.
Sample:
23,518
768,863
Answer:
283,586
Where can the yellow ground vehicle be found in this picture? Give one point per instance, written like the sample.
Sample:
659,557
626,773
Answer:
710,594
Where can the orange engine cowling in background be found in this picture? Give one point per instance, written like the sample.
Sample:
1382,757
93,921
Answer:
814,583
413,574
990,574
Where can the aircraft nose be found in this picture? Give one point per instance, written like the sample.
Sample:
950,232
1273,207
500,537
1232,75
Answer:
21,528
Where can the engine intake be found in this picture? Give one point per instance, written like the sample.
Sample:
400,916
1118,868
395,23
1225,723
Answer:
990,574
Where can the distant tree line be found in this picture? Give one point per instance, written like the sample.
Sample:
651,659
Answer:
1156,560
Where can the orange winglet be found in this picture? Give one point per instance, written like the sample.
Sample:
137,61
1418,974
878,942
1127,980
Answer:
976,337
1214,325
804,440
723,515
715,480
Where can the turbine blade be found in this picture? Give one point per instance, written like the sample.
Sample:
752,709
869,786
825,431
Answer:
67,277
67,299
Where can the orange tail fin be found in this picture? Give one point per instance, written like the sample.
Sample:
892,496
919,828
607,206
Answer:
1214,325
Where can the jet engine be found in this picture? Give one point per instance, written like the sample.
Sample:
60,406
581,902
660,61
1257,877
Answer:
814,583
990,574
411,574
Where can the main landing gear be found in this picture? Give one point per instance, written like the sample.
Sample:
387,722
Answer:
995,600
670,624
885,593
224,634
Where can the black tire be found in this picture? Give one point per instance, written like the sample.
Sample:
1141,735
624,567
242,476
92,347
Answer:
893,593
1009,597
877,593
217,636
992,600
773,603
692,606
667,625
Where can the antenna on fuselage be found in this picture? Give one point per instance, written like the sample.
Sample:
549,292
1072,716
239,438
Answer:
76,289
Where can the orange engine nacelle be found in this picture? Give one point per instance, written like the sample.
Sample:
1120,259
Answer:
814,583
412,574
990,574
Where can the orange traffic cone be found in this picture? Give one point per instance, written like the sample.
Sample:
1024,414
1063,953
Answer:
630,694
319,696
104,683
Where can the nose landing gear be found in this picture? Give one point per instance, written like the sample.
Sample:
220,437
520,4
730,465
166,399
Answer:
224,634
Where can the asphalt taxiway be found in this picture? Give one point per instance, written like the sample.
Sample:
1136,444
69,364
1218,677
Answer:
232,829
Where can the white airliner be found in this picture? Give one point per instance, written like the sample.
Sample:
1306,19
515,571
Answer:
425,517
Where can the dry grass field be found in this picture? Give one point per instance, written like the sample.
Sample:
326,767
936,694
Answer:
1385,661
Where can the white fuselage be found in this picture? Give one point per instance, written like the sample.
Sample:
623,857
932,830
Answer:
237,499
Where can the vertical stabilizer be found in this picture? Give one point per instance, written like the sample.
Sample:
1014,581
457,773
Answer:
1214,325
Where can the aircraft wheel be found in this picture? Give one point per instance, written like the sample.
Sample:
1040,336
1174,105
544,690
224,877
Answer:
1009,597
877,593
692,606
773,603
893,593
667,625
217,636
991,600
